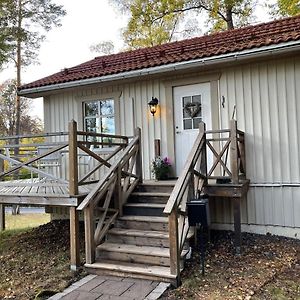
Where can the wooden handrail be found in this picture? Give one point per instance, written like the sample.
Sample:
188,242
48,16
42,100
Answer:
50,134
184,174
228,141
111,170
26,164
119,181
90,133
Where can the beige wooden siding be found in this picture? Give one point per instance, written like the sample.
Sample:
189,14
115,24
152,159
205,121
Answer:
133,111
267,97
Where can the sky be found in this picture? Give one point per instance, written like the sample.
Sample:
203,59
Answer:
68,45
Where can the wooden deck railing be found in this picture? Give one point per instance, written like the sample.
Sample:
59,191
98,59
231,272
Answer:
223,151
42,155
227,147
105,202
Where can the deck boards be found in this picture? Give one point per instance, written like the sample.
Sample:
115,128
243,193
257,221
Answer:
36,191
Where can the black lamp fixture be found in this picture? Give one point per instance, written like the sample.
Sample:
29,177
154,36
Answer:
153,105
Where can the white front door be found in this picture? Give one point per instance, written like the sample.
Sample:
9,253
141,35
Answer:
192,104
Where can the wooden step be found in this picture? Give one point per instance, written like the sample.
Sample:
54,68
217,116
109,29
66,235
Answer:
143,237
144,209
124,269
149,197
138,237
158,256
156,186
143,223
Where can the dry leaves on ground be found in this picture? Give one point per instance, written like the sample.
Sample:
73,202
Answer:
267,269
36,260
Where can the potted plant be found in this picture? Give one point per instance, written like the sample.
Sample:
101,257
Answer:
161,168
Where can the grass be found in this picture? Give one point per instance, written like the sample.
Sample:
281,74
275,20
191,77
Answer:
25,221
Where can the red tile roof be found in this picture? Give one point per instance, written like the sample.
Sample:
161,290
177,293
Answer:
256,36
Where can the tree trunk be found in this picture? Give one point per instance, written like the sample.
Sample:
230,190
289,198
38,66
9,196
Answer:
19,63
229,20
16,208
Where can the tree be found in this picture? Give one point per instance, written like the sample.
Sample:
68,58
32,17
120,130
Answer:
221,14
104,47
151,22
227,14
5,33
8,115
285,8
27,21
154,22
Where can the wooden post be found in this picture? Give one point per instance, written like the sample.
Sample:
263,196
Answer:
234,152
157,148
139,162
73,162
243,156
89,234
237,224
2,207
118,194
74,239
203,162
73,190
174,245
2,217
235,179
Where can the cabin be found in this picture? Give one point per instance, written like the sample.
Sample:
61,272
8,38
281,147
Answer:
224,111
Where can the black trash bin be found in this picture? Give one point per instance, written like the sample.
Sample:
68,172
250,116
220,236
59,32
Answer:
198,214
198,211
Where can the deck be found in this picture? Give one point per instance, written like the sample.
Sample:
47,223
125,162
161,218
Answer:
40,192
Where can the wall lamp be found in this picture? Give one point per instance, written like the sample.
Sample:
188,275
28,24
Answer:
153,105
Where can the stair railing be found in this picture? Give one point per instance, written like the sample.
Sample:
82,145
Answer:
190,182
105,201
227,147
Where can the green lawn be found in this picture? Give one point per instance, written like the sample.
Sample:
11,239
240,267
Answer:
23,221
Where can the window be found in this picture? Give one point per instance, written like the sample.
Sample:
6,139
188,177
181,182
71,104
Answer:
99,116
191,112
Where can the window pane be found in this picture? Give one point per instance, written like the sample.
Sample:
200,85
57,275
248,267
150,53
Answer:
185,101
91,108
107,107
90,124
196,98
187,124
196,122
108,125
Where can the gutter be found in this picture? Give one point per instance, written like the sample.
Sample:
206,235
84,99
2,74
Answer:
229,57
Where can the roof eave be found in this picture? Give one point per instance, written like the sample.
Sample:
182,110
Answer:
217,59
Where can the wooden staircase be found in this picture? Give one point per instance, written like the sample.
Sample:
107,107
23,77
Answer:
138,244
141,230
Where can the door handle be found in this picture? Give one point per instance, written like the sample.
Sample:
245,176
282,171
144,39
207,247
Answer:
177,132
